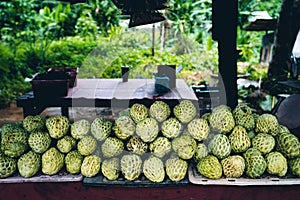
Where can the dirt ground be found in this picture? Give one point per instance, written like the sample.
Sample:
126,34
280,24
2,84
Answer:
11,114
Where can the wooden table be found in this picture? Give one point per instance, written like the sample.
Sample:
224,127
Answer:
111,93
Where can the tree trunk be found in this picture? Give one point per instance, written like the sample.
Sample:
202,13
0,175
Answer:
287,28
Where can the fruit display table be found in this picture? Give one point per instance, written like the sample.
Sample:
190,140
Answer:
106,93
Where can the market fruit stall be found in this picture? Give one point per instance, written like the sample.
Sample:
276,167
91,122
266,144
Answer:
150,147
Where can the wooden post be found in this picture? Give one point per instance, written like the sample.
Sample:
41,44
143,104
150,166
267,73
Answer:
225,14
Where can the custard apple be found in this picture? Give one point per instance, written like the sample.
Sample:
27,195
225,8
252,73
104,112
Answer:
210,167
171,128
160,111
110,168
242,114
8,166
264,142
8,127
90,166
147,129
153,169
267,123
185,111
160,147
80,128
66,144
29,164
198,129
136,145
276,164
14,141
185,146
112,147
233,166
221,119
288,144
176,168
87,145
200,152
220,146
138,112
239,139
101,128
124,127
52,161
294,166
255,163
39,141
34,123
73,161
57,126
131,166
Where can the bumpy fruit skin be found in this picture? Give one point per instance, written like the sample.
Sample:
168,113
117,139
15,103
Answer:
101,128
242,114
255,163
57,126
288,144
210,167
199,129
185,146
138,112
160,147
239,139
66,144
52,161
29,164
136,145
267,123
233,166
264,142
124,127
34,123
80,128
110,168
7,127
87,145
131,166
8,166
147,129
160,111
294,166
185,111
221,119
200,152
171,128
90,166
39,141
14,141
73,161
112,147
220,146
276,164
176,168
153,169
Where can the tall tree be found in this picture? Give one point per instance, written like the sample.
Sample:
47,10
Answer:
285,35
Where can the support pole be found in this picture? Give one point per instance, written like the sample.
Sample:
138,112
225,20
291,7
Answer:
225,14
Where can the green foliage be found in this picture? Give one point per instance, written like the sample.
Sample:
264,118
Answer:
12,84
133,48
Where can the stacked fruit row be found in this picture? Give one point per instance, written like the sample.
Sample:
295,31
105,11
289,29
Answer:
158,142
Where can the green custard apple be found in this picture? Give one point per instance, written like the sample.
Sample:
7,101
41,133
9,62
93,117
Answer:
57,126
